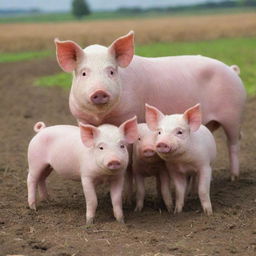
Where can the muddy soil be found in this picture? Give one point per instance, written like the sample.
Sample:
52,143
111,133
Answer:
58,228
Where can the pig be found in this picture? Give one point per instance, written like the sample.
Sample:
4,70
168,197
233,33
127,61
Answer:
111,84
87,154
188,148
146,163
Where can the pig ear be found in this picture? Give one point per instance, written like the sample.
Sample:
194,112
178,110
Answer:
88,134
123,49
130,130
193,117
68,53
153,116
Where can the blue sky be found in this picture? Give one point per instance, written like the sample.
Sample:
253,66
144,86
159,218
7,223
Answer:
64,5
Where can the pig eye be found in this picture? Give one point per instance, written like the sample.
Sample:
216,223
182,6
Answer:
179,132
139,138
159,133
101,148
84,73
122,146
111,72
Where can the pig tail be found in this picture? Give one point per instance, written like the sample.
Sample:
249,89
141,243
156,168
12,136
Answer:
236,69
39,126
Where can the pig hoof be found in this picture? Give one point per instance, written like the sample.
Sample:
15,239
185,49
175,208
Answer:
89,222
208,211
234,178
138,209
120,220
177,210
32,206
169,209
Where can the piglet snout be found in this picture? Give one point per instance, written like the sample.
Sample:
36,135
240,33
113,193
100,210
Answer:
162,147
114,165
148,152
99,97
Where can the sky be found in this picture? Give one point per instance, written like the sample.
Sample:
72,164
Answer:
64,5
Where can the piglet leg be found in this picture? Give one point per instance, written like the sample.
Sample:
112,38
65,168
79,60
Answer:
140,192
204,188
165,189
116,189
91,199
180,183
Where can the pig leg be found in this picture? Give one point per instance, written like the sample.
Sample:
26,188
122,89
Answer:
116,189
42,184
204,184
32,185
90,198
233,134
165,189
140,193
36,170
180,184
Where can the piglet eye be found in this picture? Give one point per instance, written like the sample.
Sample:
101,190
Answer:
101,148
122,146
111,72
139,138
179,132
159,132
84,73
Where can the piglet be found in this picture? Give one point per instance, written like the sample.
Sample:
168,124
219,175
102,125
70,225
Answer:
188,148
147,163
92,155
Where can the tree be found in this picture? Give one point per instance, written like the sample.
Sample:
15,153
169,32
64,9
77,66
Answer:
80,8
247,2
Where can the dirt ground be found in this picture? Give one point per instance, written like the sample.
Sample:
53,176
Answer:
58,227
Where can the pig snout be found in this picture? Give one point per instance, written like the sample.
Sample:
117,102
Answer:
114,165
100,97
148,152
162,147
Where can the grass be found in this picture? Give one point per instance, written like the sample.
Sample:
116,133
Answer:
61,79
239,51
23,56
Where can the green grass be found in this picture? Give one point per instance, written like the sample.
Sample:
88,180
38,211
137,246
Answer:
60,79
239,51
22,56
62,17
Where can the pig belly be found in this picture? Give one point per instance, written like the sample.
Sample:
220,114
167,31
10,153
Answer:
65,165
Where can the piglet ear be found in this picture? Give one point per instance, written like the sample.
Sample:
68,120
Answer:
123,49
130,130
153,117
193,117
68,53
88,134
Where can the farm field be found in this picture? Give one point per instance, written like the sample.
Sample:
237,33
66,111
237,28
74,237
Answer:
58,227
39,36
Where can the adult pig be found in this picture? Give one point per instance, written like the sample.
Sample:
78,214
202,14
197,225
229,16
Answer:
92,155
111,84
